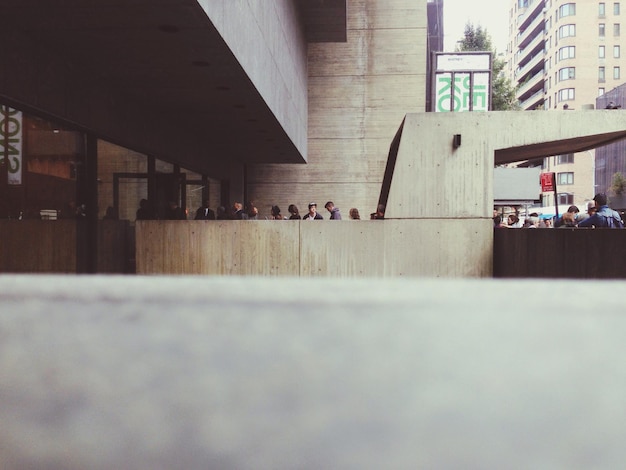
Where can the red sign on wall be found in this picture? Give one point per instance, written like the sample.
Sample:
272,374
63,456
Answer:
547,182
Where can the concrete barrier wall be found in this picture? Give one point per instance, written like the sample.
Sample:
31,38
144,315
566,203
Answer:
37,246
40,246
561,253
368,248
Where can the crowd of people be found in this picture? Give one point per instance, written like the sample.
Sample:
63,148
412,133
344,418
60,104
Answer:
597,215
250,212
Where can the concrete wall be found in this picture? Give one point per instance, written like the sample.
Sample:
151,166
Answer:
346,249
433,180
359,92
269,42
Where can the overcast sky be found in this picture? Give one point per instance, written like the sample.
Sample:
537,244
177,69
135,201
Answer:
491,15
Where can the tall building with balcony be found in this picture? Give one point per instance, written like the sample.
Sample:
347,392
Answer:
562,55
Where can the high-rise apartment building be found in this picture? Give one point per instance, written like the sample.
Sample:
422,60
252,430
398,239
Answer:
562,55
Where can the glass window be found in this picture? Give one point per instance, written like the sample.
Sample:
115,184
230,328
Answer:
566,199
616,52
566,94
568,52
601,9
600,91
565,158
569,9
601,30
567,30
565,178
616,8
616,30
601,53
616,73
567,73
601,74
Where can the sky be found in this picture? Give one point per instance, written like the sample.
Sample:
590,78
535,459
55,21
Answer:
491,15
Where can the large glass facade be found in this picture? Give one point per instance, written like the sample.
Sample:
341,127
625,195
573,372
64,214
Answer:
90,188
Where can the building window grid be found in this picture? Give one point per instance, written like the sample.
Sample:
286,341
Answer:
565,158
568,30
565,199
567,73
567,52
569,9
565,178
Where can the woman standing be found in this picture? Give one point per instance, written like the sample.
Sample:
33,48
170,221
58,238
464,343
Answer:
295,214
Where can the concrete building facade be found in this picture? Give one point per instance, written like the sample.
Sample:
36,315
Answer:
172,103
300,108
359,92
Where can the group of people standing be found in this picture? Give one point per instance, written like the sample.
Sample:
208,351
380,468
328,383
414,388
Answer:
599,215
238,212
252,213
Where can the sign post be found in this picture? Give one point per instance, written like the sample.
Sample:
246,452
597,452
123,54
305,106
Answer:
548,183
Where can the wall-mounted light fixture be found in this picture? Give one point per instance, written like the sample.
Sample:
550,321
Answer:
456,141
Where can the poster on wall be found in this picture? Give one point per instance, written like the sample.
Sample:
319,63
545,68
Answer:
11,143
462,82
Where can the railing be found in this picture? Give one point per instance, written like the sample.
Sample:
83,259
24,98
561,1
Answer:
531,83
532,101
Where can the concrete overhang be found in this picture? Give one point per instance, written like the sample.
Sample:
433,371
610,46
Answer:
153,76
441,164
533,135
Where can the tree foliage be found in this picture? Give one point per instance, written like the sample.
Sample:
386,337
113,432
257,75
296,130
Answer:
618,185
476,38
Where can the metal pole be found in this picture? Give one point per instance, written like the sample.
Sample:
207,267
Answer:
556,198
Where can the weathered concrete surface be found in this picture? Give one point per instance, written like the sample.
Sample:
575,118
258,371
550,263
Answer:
251,373
432,179
350,248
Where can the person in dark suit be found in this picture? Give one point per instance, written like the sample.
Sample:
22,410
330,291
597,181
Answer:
175,212
238,212
204,212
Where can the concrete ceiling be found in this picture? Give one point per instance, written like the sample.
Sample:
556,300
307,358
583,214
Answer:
166,54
